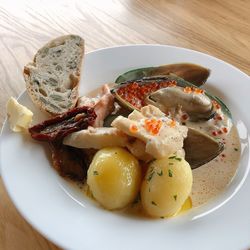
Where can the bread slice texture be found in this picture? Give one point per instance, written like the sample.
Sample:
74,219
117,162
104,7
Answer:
52,79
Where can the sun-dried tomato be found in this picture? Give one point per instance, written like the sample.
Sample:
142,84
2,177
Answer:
68,161
58,127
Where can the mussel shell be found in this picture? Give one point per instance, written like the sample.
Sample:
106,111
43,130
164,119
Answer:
192,73
200,148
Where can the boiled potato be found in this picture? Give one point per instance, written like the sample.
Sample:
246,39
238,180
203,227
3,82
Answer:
166,186
114,177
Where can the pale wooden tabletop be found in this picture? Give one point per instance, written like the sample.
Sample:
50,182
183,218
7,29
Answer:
219,28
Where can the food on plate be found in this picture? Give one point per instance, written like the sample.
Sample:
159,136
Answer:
192,101
114,177
59,126
20,117
171,94
153,141
200,148
52,79
162,136
190,72
97,138
166,186
103,104
68,161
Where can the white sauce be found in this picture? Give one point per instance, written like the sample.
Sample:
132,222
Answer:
212,178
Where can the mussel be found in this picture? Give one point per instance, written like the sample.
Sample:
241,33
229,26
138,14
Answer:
165,93
198,106
192,73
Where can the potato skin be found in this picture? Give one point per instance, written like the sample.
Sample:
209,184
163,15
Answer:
114,177
166,186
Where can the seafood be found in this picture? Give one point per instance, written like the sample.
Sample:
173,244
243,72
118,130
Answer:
195,103
161,135
96,138
136,94
192,73
177,97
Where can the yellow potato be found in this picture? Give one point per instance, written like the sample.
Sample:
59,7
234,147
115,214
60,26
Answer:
166,186
114,177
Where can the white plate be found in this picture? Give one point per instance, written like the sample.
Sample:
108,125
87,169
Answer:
71,220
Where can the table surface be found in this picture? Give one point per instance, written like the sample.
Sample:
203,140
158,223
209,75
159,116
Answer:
219,28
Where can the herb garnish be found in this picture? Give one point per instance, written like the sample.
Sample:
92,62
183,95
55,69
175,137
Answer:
172,157
153,203
150,176
137,199
95,172
175,197
160,174
175,158
236,149
170,173
170,163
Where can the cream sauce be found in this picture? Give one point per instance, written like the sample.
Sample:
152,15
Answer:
212,178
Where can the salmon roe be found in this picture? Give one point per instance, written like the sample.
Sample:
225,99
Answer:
135,93
189,90
172,123
216,104
153,126
133,128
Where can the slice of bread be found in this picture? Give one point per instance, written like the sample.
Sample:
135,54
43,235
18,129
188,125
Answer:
52,79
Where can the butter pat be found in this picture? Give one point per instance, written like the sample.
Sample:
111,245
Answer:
19,116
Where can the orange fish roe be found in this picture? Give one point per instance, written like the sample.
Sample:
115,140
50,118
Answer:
135,93
172,124
172,84
187,90
218,117
153,126
133,128
225,130
216,104
220,131
198,91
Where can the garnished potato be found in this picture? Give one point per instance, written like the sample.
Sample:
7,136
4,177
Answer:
166,186
114,177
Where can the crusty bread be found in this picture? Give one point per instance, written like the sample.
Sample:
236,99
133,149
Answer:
52,79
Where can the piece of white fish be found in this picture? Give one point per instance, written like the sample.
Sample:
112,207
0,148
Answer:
169,138
96,138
